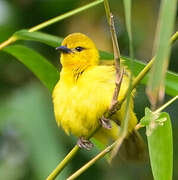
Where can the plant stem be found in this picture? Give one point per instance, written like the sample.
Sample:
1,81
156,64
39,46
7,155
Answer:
107,10
63,163
66,15
119,73
91,162
7,42
116,50
68,157
166,105
174,37
138,126
142,73
124,125
96,158
128,19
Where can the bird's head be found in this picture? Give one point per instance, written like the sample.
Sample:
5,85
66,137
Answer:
78,51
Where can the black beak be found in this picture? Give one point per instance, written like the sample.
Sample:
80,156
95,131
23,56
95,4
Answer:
64,49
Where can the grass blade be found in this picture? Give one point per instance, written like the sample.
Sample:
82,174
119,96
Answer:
43,69
155,88
45,38
127,7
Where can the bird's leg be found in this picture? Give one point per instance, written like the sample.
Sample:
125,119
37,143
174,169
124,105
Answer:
106,123
84,143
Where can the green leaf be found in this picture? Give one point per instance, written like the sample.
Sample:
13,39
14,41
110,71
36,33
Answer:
127,7
106,55
160,145
48,39
43,69
155,88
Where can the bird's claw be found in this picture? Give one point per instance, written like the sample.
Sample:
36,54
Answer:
105,123
84,143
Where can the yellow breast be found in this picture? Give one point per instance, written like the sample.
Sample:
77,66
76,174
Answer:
78,105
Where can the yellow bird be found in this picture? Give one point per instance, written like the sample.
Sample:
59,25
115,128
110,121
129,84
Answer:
84,93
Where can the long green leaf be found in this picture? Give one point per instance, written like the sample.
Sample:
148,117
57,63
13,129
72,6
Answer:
155,88
48,39
160,145
44,70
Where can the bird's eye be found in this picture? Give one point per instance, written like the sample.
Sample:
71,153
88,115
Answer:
79,49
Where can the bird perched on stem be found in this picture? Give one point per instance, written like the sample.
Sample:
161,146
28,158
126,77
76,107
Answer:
84,93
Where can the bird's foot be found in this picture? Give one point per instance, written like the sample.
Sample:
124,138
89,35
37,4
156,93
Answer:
106,123
84,143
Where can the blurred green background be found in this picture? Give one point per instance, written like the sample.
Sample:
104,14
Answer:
31,145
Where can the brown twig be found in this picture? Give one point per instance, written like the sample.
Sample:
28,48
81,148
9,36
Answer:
119,73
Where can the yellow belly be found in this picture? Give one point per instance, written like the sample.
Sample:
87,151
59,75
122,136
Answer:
79,105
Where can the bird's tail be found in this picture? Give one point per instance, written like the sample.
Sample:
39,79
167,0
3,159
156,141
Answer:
133,148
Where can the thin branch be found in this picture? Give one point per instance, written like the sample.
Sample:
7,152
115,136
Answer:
119,74
138,126
63,163
63,16
7,42
112,108
91,162
166,105
124,125
173,38
96,158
